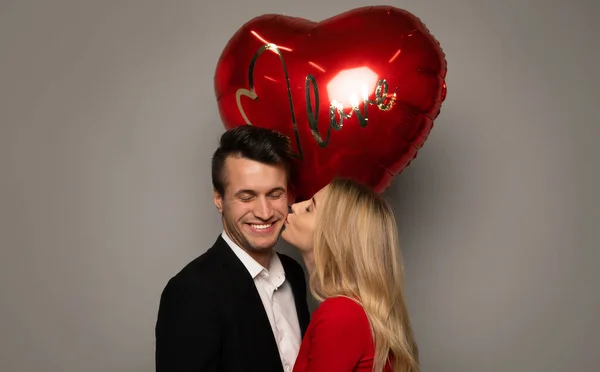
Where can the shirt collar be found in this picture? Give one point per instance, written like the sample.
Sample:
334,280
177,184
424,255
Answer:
275,272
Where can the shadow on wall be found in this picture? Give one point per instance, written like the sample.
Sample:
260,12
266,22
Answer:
427,192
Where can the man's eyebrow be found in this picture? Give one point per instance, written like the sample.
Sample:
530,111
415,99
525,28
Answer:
314,202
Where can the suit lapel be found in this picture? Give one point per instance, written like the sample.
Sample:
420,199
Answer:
251,322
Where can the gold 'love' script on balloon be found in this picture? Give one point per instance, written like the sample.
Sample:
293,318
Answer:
337,115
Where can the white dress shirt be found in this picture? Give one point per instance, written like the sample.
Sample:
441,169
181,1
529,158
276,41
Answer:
278,300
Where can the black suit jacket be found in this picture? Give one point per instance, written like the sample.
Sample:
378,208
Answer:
211,317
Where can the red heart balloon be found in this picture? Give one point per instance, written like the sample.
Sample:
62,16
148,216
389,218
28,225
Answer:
356,93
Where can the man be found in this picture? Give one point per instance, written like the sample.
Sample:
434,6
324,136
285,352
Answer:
240,306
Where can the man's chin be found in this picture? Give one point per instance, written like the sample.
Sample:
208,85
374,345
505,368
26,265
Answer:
265,244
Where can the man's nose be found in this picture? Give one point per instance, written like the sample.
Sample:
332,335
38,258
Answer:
263,209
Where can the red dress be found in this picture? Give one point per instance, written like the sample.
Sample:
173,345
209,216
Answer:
338,339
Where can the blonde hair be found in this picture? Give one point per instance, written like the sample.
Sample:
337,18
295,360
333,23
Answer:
357,255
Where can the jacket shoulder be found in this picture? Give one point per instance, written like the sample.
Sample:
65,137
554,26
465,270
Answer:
199,272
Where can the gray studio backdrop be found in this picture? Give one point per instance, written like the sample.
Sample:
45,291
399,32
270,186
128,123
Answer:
108,121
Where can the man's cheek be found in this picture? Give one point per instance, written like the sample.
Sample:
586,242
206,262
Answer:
280,204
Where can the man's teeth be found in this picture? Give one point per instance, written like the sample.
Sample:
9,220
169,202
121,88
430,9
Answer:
266,226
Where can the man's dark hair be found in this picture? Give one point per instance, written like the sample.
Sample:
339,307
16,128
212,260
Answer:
255,143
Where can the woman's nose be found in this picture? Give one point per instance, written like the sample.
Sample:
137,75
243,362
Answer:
293,208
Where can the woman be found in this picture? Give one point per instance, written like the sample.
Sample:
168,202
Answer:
347,236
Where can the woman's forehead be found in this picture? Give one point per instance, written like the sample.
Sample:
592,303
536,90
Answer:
319,194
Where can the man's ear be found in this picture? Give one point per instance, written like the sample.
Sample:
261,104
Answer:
218,200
